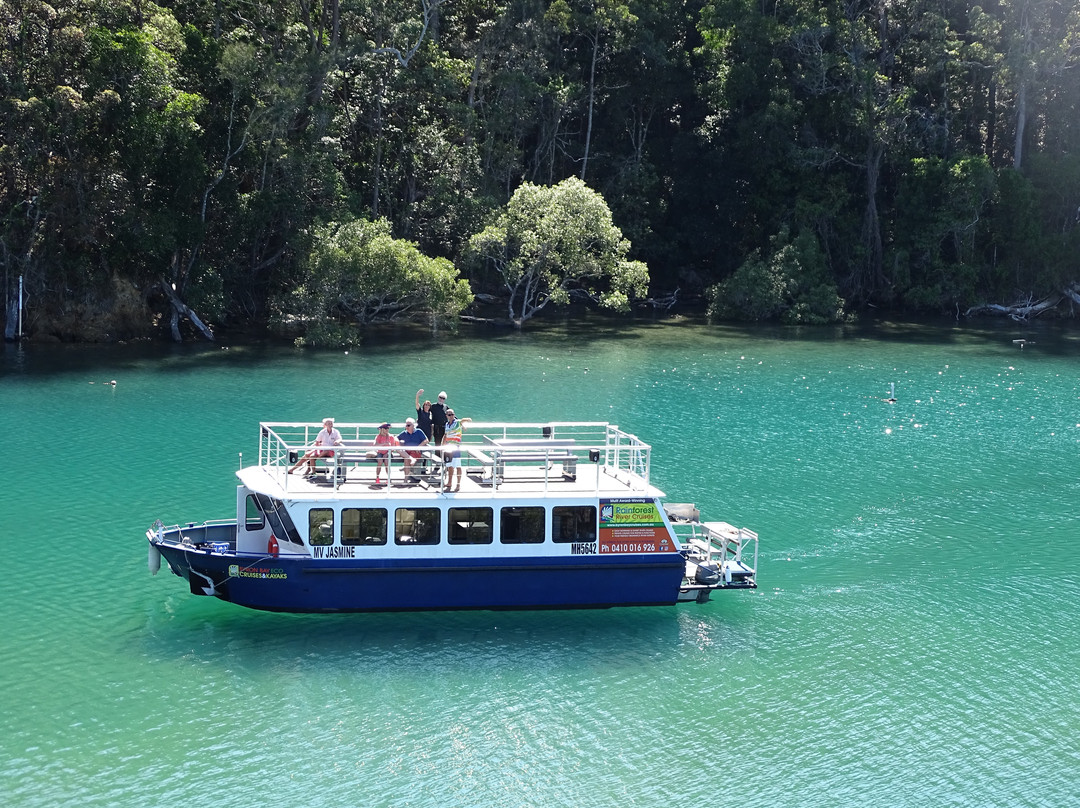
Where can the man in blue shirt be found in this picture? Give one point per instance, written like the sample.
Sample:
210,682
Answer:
411,437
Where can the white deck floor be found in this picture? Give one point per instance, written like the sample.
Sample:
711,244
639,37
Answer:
517,481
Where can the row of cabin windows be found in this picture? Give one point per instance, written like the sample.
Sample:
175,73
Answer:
517,525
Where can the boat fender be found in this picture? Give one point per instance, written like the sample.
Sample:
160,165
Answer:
707,574
272,546
153,560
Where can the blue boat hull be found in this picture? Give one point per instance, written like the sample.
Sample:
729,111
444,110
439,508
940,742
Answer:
296,584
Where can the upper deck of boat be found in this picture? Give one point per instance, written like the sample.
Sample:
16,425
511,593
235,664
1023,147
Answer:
498,459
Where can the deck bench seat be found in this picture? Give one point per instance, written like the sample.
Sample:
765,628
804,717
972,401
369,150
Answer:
510,450
481,457
357,452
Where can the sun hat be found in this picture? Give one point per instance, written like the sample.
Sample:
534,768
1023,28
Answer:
384,425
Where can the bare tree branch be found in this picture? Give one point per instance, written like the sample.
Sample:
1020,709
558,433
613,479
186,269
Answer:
403,59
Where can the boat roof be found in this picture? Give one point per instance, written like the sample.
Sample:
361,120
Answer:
500,460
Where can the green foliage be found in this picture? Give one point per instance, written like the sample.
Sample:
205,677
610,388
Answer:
942,208
548,240
205,293
924,151
790,285
1056,180
1016,237
356,273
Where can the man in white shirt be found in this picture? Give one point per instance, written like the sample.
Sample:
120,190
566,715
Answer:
328,436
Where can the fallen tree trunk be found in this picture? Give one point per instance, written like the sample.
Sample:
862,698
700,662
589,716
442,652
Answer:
1020,311
180,308
665,302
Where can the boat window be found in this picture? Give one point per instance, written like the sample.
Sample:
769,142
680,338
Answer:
573,523
363,525
320,526
280,521
469,525
417,525
521,526
255,519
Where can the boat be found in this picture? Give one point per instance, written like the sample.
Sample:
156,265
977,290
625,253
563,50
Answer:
556,515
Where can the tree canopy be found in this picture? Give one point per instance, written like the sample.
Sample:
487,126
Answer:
914,155
356,273
549,240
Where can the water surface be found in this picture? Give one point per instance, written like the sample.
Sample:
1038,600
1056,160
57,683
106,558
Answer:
914,640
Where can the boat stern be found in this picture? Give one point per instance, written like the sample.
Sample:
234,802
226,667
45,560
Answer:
717,555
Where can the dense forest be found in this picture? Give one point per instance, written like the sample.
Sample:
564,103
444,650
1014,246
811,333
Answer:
317,165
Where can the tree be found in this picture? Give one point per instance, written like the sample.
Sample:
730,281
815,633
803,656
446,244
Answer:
357,273
597,22
791,284
940,223
548,240
1043,43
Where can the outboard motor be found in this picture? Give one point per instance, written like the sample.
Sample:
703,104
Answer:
707,574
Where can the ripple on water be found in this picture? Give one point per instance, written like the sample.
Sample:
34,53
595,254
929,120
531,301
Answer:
914,641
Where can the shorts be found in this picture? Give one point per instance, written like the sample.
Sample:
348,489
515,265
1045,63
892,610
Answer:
453,458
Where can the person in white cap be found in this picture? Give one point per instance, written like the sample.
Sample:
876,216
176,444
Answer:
328,436
438,419
454,428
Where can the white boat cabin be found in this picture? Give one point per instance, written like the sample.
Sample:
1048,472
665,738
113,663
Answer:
526,489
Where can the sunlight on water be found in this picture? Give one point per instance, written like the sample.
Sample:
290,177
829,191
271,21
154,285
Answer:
914,640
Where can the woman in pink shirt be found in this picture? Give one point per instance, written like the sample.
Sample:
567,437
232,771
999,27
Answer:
382,457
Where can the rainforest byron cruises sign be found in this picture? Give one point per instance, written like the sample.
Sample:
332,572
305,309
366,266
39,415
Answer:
632,526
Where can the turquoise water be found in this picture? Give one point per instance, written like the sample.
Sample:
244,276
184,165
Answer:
915,639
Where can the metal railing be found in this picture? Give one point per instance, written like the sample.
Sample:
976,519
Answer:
719,543
499,444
